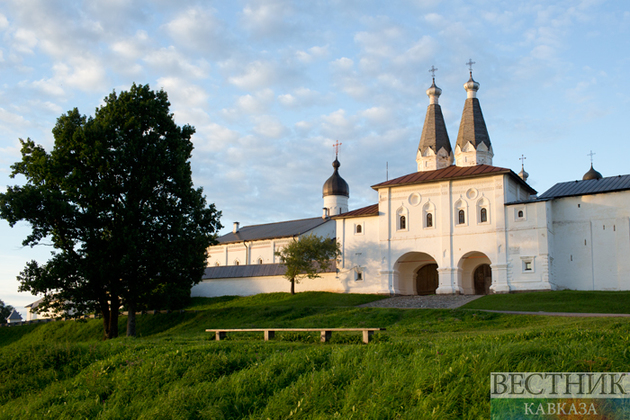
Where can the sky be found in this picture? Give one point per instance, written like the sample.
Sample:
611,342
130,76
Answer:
270,85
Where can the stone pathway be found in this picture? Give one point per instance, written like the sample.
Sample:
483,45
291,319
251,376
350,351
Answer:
425,302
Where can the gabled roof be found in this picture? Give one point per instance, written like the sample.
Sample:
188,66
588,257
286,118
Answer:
35,304
371,210
587,187
452,172
289,228
258,270
14,317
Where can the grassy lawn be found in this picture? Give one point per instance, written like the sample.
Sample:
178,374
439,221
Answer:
429,364
557,301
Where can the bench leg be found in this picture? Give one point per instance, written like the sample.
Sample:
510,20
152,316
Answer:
325,336
367,336
219,335
269,334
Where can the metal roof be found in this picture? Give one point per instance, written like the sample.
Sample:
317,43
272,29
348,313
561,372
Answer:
371,210
14,316
258,270
272,230
434,134
452,172
587,187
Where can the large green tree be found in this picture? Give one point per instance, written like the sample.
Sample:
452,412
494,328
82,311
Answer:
115,197
307,256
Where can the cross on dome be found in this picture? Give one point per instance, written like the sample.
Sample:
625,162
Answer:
469,64
432,70
336,146
591,154
522,159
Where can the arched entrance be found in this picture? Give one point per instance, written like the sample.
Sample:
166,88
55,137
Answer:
427,279
416,273
483,279
475,274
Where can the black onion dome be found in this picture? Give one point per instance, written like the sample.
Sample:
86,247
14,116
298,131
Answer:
335,185
591,174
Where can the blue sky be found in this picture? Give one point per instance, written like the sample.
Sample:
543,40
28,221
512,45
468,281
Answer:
271,84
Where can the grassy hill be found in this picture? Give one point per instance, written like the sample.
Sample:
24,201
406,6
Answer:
428,364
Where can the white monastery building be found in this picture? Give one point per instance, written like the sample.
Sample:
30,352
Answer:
456,226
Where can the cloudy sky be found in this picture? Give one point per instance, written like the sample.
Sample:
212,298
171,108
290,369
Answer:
271,84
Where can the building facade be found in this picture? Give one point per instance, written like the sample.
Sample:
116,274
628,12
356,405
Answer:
459,225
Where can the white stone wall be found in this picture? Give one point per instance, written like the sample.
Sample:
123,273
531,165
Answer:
592,242
327,282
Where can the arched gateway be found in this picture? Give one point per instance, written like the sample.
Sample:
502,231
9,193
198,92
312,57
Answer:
476,274
416,274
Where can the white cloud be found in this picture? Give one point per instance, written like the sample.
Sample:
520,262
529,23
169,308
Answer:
313,53
258,74
198,29
25,41
270,127
182,93
343,63
378,114
268,18
170,60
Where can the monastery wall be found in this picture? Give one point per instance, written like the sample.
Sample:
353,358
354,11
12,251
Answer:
592,242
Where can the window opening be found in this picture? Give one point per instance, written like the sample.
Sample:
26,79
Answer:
403,222
520,213
359,229
429,220
462,217
484,215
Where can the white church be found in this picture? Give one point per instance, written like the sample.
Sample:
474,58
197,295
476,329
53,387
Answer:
456,226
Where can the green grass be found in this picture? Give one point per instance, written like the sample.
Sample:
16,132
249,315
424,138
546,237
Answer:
557,301
429,364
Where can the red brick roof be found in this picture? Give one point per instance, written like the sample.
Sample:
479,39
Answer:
364,211
451,172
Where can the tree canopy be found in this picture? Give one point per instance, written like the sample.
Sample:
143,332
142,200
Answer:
115,197
307,256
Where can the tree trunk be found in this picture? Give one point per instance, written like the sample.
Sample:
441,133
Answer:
131,320
105,314
113,317
292,286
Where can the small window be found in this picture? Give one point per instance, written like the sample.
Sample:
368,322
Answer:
483,216
462,217
429,219
217,264
358,275
260,260
527,266
520,214
237,262
359,229
403,222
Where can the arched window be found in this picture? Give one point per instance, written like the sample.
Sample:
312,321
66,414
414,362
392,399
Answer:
237,262
429,219
403,222
260,261
483,216
462,217
520,213
217,264
359,229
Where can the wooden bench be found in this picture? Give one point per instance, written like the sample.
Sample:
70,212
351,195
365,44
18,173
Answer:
269,333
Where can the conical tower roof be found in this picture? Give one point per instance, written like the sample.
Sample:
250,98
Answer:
473,126
336,185
434,134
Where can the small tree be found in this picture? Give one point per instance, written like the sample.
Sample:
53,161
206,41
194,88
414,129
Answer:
5,311
307,256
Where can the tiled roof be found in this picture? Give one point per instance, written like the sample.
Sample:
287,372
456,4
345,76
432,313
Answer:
258,270
272,230
590,186
452,172
371,210
434,134
472,127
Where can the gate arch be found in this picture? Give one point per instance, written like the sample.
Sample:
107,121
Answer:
415,269
475,274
